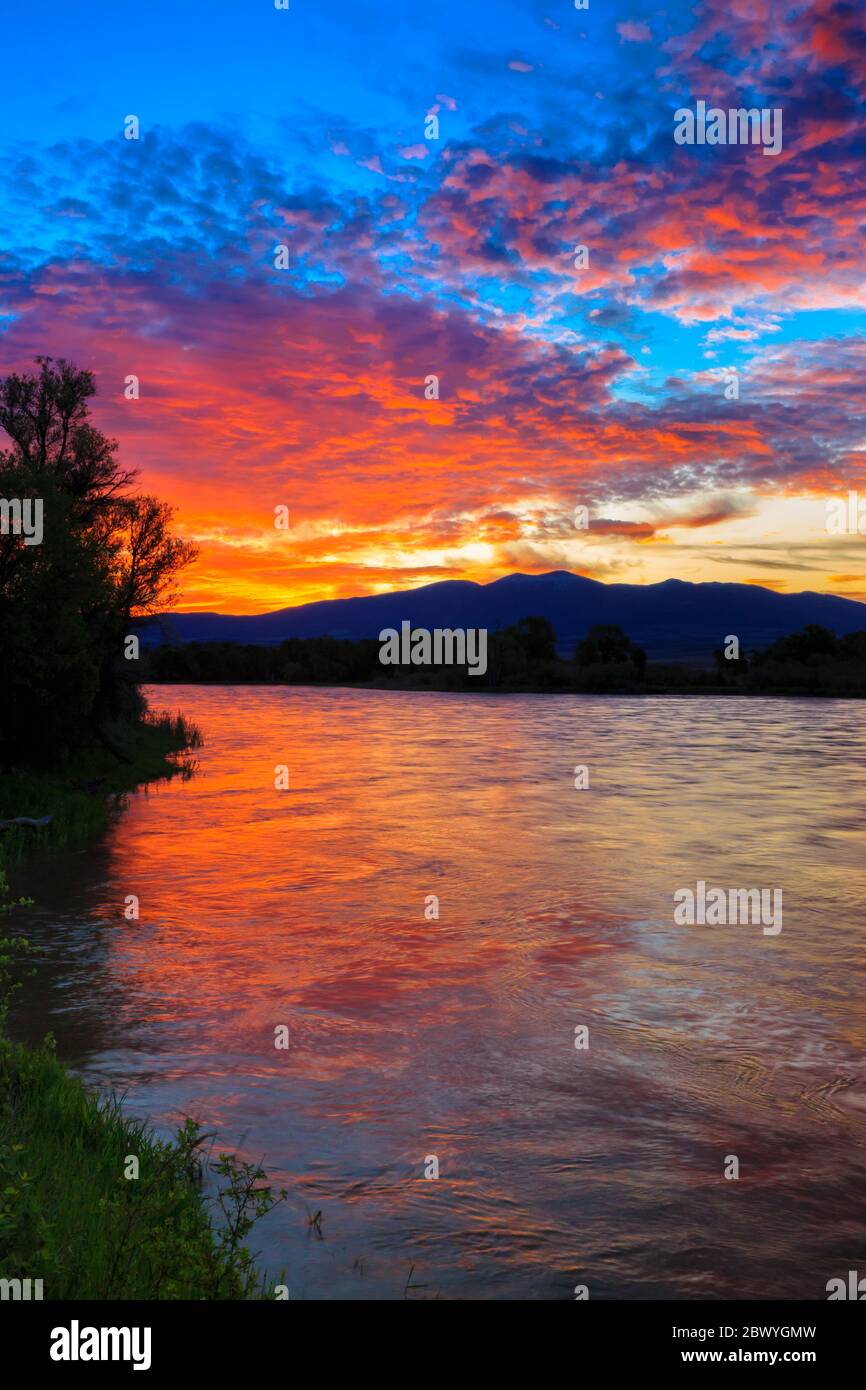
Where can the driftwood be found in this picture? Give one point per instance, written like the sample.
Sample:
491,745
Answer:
35,824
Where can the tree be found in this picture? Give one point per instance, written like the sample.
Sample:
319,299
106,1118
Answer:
608,645
812,643
105,556
537,637
46,417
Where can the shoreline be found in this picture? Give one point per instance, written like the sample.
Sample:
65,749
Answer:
71,1158
698,692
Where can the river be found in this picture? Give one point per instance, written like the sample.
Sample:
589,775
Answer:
415,1038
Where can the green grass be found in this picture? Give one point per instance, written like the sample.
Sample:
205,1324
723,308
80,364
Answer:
70,1216
82,793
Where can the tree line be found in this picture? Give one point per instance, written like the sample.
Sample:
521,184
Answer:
524,657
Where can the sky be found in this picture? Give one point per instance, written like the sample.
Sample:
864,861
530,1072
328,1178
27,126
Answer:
694,379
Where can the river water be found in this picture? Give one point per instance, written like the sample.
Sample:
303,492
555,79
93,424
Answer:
414,1038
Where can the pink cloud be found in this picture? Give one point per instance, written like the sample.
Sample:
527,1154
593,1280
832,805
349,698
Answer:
631,31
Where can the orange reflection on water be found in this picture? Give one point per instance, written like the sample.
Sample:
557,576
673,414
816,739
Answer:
454,1036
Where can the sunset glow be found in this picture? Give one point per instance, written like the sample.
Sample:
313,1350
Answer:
455,257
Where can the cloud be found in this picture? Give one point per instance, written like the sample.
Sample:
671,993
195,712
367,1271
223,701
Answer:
631,31
307,387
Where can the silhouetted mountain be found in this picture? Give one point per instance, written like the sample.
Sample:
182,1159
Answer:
672,620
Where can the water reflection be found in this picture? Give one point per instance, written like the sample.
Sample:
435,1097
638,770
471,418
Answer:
455,1037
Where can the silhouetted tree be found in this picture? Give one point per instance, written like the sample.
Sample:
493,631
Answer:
105,556
607,644
537,638
814,642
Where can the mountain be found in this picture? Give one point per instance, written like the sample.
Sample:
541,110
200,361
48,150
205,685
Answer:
673,620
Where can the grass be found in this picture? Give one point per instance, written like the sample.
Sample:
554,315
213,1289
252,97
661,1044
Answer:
73,1214
83,792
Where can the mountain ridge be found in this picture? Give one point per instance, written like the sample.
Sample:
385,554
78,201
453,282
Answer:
673,619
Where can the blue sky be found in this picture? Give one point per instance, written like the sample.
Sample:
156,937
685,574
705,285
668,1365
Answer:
306,127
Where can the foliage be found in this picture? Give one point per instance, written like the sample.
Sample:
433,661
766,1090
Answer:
70,1216
13,950
83,790
105,556
608,645
523,657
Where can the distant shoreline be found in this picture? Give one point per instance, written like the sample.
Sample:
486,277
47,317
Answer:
392,687
523,660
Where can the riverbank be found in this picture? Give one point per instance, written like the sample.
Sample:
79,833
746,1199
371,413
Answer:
96,1207
93,1204
80,795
